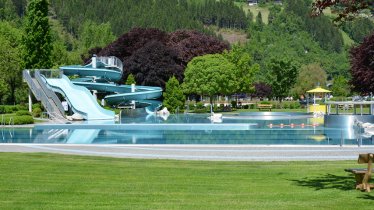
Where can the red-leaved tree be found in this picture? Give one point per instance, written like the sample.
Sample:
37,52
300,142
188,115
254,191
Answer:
362,66
348,8
153,56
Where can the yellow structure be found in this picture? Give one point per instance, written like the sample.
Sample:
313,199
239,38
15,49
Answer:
321,108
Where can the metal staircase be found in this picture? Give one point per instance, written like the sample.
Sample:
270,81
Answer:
42,93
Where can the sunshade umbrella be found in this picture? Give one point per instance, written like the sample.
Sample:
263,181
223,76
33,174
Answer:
317,90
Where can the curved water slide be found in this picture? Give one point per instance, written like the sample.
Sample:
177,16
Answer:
80,99
101,74
98,76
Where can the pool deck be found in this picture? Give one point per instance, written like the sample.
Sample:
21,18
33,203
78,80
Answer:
200,152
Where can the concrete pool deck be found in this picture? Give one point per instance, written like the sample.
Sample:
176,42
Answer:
200,152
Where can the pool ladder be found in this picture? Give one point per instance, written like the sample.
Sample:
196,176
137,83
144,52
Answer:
10,124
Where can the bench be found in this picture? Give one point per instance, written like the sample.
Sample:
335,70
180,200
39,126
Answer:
264,106
363,175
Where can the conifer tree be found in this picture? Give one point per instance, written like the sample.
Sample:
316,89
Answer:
37,39
173,95
130,80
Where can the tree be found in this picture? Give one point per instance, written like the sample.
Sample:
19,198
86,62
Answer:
282,76
130,80
362,66
348,8
10,62
259,22
262,90
245,69
173,96
154,64
37,39
308,78
210,75
153,56
10,70
340,86
95,35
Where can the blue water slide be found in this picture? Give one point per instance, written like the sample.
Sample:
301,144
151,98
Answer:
143,94
100,74
80,99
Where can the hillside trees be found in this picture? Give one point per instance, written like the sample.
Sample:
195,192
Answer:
362,66
37,39
347,9
320,28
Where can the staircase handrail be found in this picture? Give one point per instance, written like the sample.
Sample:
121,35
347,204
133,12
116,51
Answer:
111,61
27,77
50,94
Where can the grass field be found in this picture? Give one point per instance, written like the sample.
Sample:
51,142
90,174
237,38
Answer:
255,10
46,181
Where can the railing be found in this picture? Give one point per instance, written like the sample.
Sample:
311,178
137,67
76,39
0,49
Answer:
43,92
50,94
111,61
28,78
49,73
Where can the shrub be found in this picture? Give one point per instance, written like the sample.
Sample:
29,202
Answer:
37,105
233,104
25,119
20,120
252,106
36,112
292,106
22,113
200,108
265,102
285,106
246,106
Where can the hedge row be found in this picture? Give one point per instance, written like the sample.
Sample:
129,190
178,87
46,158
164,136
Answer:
7,109
20,120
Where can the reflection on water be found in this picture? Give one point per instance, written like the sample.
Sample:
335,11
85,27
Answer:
261,133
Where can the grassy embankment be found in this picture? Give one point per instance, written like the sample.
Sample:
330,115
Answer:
49,181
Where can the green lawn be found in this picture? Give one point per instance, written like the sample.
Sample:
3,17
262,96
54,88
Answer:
48,181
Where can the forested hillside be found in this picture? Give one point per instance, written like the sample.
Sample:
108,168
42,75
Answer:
81,27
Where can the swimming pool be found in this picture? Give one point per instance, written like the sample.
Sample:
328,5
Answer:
244,128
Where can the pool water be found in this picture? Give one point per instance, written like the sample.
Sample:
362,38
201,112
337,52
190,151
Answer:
293,129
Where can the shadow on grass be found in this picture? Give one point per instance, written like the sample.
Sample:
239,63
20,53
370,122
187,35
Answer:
328,181
368,197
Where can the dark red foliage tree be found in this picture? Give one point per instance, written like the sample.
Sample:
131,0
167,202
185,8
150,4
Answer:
154,64
262,90
129,42
362,66
153,56
348,7
190,44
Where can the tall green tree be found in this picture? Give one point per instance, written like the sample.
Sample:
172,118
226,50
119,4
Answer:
309,76
210,75
245,68
173,96
10,71
340,86
282,76
37,39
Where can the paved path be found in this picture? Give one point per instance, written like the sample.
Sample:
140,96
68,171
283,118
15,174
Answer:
199,152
